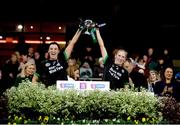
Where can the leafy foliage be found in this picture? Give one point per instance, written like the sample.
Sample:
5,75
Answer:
37,103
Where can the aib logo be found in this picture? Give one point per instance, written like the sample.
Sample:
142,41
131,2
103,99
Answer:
97,86
67,85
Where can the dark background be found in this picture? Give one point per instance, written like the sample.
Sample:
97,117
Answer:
136,25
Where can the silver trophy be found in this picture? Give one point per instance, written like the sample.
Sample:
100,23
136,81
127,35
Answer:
88,26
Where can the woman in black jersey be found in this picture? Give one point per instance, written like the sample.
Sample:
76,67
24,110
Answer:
54,68
113,70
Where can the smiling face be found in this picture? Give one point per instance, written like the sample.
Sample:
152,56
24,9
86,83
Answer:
30,69
168,73
53,52
120,57
128,66
153,76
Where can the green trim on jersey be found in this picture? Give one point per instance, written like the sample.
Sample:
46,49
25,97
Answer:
105,59
65,55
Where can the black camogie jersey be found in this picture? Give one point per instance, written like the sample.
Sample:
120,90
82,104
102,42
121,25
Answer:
117,75
52,70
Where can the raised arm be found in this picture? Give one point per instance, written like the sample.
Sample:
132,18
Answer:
101,45
71,43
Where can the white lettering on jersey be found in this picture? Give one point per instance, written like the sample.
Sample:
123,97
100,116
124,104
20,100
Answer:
55,67
114,73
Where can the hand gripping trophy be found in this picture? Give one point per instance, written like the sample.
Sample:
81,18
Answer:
88,26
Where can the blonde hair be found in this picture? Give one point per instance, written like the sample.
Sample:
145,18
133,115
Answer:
71,70
158,78
23,71
115,51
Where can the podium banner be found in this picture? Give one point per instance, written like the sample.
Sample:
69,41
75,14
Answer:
83,85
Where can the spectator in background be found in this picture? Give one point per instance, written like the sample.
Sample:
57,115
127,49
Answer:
38,59
17,53
167,58
85,71
31,52
138,79
27,74
167,85
151,63
140,65
25,59
10,71
71,61
98,69
46,55
152,79
73,73
160,64
88,56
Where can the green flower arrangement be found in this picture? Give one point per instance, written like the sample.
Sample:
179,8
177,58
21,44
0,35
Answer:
30,103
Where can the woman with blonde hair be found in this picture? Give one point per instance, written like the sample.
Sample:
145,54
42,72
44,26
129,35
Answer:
153,77
27,74
73,72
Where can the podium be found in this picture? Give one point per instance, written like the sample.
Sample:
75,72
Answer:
83,85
